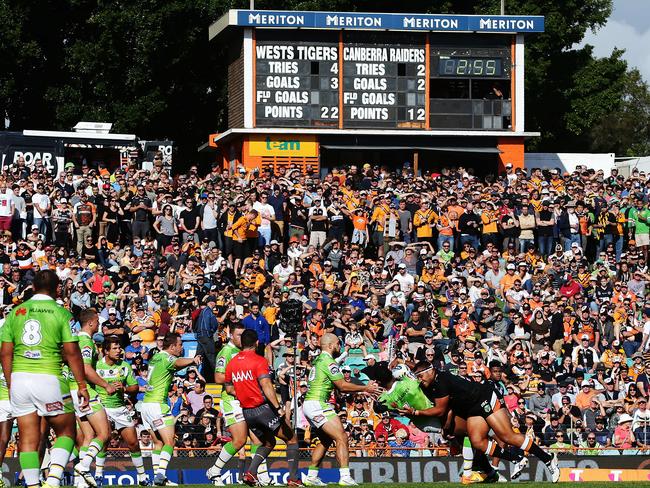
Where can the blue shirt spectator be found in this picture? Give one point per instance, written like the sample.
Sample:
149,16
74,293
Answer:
258,323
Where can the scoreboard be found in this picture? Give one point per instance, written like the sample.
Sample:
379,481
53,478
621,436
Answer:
360,79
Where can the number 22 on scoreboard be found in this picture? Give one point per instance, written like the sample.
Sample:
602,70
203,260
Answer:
330,112
415,114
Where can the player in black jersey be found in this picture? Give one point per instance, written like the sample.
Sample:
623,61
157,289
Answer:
479,407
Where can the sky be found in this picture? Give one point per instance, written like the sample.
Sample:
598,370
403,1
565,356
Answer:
628,28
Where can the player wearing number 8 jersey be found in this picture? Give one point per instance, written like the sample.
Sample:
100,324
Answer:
323,378
155,410
36,339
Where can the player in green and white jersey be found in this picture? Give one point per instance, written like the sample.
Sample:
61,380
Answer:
155,411
37,337
114,370
93,421
232,413
324,376
6,421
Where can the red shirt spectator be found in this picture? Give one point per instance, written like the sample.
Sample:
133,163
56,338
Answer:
388,426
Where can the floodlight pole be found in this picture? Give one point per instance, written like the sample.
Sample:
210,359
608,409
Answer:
503,6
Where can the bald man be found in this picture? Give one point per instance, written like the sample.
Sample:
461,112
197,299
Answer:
323,378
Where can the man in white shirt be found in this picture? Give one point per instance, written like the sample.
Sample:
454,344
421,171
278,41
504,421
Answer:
209,220
42,208
282,271
405,280
267,215
7,206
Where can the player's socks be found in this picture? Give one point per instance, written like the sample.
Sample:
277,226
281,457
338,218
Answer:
59,456
100,460
138,463
241,467
260,455
493,449
155,460
482,463
226,455
292,460
344,472
94,448
529,446
263,470
468,457
312,472
165,456
30,466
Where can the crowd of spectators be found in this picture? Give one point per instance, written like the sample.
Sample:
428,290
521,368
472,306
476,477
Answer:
534,277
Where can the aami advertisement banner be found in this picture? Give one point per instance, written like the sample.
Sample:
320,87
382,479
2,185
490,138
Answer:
388,470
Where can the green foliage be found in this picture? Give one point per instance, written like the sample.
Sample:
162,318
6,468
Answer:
147,66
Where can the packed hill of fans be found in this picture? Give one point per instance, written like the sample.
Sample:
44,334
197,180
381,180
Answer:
535,279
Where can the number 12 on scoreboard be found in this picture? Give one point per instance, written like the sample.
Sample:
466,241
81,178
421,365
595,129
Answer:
415,113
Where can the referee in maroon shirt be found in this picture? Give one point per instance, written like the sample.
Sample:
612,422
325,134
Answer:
248,379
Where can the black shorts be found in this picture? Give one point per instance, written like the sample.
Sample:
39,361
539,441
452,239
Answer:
262,420
228,246
488,403
239,249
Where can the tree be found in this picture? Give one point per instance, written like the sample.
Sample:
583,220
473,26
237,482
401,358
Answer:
626,131
148,67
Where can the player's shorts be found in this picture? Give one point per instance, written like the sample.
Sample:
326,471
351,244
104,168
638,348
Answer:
488,403
317,412
121,417
94,405
262,420
5,410
232,412
157,415
45,394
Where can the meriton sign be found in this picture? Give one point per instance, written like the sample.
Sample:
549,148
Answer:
380,21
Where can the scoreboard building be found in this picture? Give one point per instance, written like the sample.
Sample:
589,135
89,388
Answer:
321,89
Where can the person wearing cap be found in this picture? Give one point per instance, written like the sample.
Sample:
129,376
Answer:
623,437
584,356
136,350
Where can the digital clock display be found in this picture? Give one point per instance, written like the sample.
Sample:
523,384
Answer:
472,67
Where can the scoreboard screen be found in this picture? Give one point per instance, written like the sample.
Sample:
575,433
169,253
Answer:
383,80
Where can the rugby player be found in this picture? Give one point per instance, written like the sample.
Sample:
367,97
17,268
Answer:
37,338
324,376
477,409
155,411
248,379
93,421
402,391
232,413
113,369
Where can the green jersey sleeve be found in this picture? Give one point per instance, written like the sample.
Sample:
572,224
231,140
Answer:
322,376
88,349
405,392
226,353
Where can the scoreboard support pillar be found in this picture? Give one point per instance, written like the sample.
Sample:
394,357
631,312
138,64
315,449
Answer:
512,151
416,163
